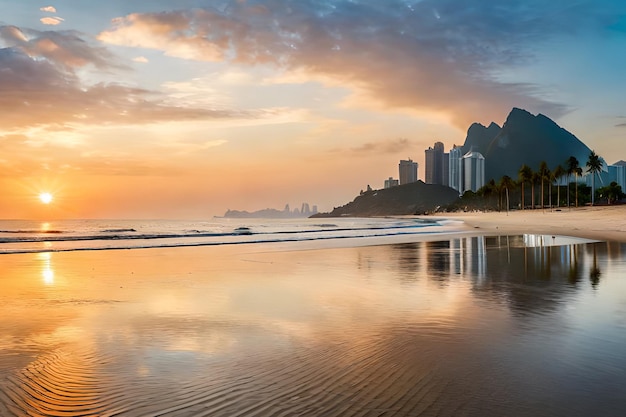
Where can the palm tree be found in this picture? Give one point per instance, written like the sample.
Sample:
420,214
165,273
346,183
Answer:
487,191
524,174
578,172
594,166
544,173
507,182
572,167
558,173
535,180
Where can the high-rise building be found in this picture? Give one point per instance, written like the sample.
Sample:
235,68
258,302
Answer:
408,171
455,169
390,182
473,171
610,173
619,169
435,164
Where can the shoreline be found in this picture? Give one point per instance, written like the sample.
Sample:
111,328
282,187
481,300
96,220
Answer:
604,223
600,223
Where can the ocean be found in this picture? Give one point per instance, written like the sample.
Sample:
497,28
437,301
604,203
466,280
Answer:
19,236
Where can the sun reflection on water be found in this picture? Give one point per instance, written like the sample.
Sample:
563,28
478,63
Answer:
47,272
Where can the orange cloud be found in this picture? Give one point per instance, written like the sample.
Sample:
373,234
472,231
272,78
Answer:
59,48
390,146
40,86
396,57
49,9
171,32
51,20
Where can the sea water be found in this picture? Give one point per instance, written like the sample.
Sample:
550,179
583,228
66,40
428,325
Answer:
17,236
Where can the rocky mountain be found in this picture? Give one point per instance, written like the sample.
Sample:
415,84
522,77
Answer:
523,139
479,137
413,198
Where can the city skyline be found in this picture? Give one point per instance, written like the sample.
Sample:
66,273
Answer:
184,109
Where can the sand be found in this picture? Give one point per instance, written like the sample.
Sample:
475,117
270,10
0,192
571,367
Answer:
597,223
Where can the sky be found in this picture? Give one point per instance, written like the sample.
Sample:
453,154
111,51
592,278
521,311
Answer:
187,108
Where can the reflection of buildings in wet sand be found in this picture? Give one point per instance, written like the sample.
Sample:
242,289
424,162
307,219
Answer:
547,262
484,259
468,255
441,259
539,258
516,257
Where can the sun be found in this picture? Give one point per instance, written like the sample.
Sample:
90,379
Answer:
45,198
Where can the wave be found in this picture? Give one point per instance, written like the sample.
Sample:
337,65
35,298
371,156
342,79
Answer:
131,238
25,239
17,232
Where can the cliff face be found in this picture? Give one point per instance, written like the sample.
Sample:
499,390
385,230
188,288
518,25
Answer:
479,137
413,198
523,139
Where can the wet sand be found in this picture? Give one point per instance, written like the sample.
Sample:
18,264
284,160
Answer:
450,325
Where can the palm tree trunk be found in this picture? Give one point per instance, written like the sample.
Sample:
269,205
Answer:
550,194
558,195
568,191
522,195
542,205
576,186
593,187
532,195
507,201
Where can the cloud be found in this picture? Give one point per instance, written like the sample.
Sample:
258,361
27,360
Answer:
141,59
51,20
426,56
186,147
40,86
49,9
60,48
177,34
621,125
389,146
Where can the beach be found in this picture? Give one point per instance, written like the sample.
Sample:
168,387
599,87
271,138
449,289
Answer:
473,318
597,222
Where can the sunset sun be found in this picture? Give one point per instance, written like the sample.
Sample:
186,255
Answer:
45,198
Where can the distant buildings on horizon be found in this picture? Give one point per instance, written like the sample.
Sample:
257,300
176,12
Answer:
456,170
407,170
466,171
270,213
391,182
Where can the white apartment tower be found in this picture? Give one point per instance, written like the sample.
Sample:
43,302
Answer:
473,171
